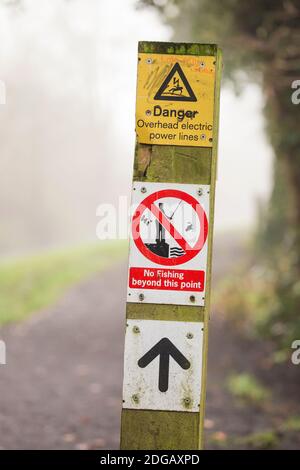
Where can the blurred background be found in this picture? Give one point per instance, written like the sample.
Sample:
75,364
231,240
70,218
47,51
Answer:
68,78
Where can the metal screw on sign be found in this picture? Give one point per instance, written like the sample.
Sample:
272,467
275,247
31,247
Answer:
141,297
190,335
187,401
143,190
192,298
148,112
135,398
202,136
200,192
149,61
202,64
136,329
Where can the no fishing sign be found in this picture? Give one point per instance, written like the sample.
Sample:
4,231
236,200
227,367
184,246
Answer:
168,243
175,99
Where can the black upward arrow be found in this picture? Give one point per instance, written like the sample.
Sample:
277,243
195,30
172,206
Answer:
164,349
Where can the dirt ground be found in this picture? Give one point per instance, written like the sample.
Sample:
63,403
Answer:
61,387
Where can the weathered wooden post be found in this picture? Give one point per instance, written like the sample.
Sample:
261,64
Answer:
169,279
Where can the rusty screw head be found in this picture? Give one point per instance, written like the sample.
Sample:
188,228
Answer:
141,297
192,298
136,329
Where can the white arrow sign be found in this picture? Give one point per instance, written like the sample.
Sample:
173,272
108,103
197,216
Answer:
163,363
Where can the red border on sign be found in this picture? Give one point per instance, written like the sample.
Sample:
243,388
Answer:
148,203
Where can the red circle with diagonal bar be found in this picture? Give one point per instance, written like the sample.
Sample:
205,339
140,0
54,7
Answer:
148,203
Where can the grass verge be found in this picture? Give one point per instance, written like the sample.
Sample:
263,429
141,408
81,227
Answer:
34,282
247,388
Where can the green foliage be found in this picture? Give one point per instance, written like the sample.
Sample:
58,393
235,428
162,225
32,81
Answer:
261,440
263,301
247,388
292,424
249,32
268,439
32,283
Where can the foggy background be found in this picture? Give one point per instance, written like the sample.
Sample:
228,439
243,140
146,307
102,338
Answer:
67,128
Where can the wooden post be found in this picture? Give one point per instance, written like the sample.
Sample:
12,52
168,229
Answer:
194,164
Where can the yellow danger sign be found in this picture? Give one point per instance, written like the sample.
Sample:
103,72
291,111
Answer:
175,99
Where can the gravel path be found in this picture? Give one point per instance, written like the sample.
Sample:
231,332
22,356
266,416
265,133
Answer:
61,386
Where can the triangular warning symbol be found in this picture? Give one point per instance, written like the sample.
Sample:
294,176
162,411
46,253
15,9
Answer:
175,87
